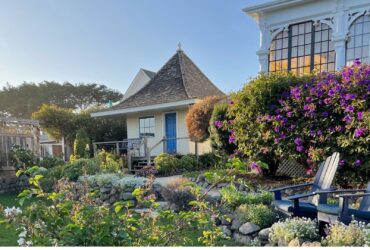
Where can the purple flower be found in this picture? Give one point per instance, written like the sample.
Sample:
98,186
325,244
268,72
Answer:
231,102
276,140
357,163
279,117
342,162
350,97
298,141
231,139
312,133
268,118
300,148
327,101
289,114
350,109
295,93
360,115
359,132
256,168
325,114
319,132
282,135
357,62
347,118
277,129
331,93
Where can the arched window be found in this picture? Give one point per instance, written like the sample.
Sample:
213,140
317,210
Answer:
303,48
358,40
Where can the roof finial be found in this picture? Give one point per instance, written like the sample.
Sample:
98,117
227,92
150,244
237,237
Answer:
179,47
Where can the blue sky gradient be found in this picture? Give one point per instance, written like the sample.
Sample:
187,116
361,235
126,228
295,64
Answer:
108,41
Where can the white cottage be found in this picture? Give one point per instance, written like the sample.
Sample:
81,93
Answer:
155,105
302,35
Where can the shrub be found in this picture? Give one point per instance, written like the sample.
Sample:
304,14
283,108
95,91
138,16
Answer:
51,177
22,158
329,113
166,164
108,162
50,162
283,232
147,171
177,193
115,180
259,96
260,215
233,198
81,146
355,234
198,116
188,162
208,160
80,167
219,136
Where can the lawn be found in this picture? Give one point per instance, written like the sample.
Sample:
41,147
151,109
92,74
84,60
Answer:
8,234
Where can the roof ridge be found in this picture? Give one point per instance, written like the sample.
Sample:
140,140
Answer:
182,70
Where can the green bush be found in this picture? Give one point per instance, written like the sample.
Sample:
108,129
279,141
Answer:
219,135
233,198
77,168
259,96
81,146
22,158
51,176
208,160
108,162
50,162
283,232
260,215
166,164
356,234
188,162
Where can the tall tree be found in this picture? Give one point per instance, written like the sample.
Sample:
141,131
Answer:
23,100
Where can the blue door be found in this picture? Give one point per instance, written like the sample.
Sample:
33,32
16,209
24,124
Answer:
170,120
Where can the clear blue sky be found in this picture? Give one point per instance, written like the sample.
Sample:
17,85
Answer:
107,41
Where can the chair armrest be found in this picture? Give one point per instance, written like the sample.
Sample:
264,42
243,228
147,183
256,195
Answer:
300,196
352,195
340,191
291,187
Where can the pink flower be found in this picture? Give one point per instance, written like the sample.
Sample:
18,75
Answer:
359,132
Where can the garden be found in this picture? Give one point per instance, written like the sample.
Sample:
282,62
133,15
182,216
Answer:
221,198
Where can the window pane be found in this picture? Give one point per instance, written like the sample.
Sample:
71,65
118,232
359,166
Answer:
358,41
294,63
294,30
285,43
300,39
358,29
300,50
307,39
294,51
307,49
318,36
278,44
308,27
294,40
350,54
301,28
325,35
284,53
324,47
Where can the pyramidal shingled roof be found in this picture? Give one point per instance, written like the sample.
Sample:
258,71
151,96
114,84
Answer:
179,79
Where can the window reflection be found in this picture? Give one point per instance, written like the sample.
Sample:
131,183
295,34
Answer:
358,40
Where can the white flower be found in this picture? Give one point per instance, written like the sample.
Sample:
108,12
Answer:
21,241
10,212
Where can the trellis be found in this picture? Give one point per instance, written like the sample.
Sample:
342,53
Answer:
22,132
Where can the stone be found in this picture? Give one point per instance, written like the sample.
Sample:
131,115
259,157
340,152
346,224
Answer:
104,190
113,191
225,221
112,199
264,234
104,197
164,205
249,228
297,242
311,244
205,185
242,239
221,185
235,224
126,196
225,230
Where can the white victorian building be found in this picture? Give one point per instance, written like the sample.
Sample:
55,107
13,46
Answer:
303,35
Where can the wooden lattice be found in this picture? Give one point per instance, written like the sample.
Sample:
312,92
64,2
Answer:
291,168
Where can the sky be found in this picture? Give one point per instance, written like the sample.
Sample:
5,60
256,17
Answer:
108,41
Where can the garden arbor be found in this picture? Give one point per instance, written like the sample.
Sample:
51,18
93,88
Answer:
25,133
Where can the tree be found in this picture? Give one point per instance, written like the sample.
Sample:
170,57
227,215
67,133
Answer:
23,100
81,147
198,116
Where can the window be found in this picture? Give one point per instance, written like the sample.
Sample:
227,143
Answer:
303,48
358,40
147,126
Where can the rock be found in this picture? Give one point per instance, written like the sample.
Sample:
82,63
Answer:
126,196
104,190
112,199
221,185
225,230
249,228
297,242
264,234
311,244
205,185
113,191
104,197
225,221
242,239
164,205
235,224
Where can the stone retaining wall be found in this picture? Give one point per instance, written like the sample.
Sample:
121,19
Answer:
10,184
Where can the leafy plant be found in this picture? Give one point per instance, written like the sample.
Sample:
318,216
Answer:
108,162
198,116
50,162
259,214
233,198
188,162
208,160
177,192
166,164
283,232
22,158
356,234
75,169
81,146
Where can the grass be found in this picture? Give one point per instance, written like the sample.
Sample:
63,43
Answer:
8,234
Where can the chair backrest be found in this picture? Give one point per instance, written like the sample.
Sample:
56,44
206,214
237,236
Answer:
324,176
365,203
